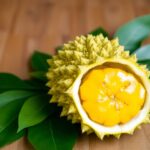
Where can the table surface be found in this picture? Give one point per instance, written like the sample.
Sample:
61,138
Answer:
26,25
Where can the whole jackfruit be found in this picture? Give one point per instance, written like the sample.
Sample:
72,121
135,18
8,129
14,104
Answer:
100,85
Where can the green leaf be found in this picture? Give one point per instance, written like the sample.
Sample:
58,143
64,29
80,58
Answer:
11,96
145,62
37,85
53,134
99,31
11,82
40,75
143,53
133,33
39,61
34,111
10,104
9,113
9,134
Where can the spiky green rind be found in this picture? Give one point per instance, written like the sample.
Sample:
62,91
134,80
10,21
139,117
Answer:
65,68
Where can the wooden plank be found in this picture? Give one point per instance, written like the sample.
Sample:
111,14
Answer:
27,25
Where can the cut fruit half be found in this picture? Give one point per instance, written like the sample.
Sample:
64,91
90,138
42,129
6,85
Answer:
127,127
100,85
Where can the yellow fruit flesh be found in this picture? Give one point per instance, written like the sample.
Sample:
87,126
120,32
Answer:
111,96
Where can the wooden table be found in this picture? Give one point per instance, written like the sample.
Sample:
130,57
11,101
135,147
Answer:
26,25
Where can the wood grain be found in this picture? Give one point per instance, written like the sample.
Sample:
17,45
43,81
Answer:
26,25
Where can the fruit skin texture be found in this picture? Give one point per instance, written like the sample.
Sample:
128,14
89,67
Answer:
68,67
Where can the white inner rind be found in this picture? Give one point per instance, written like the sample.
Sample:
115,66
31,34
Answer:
128,127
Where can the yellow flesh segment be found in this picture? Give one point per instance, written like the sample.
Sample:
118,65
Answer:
111,96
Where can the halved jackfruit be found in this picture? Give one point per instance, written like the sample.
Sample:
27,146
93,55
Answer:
100,85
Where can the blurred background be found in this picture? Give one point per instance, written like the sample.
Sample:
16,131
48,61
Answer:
26,25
